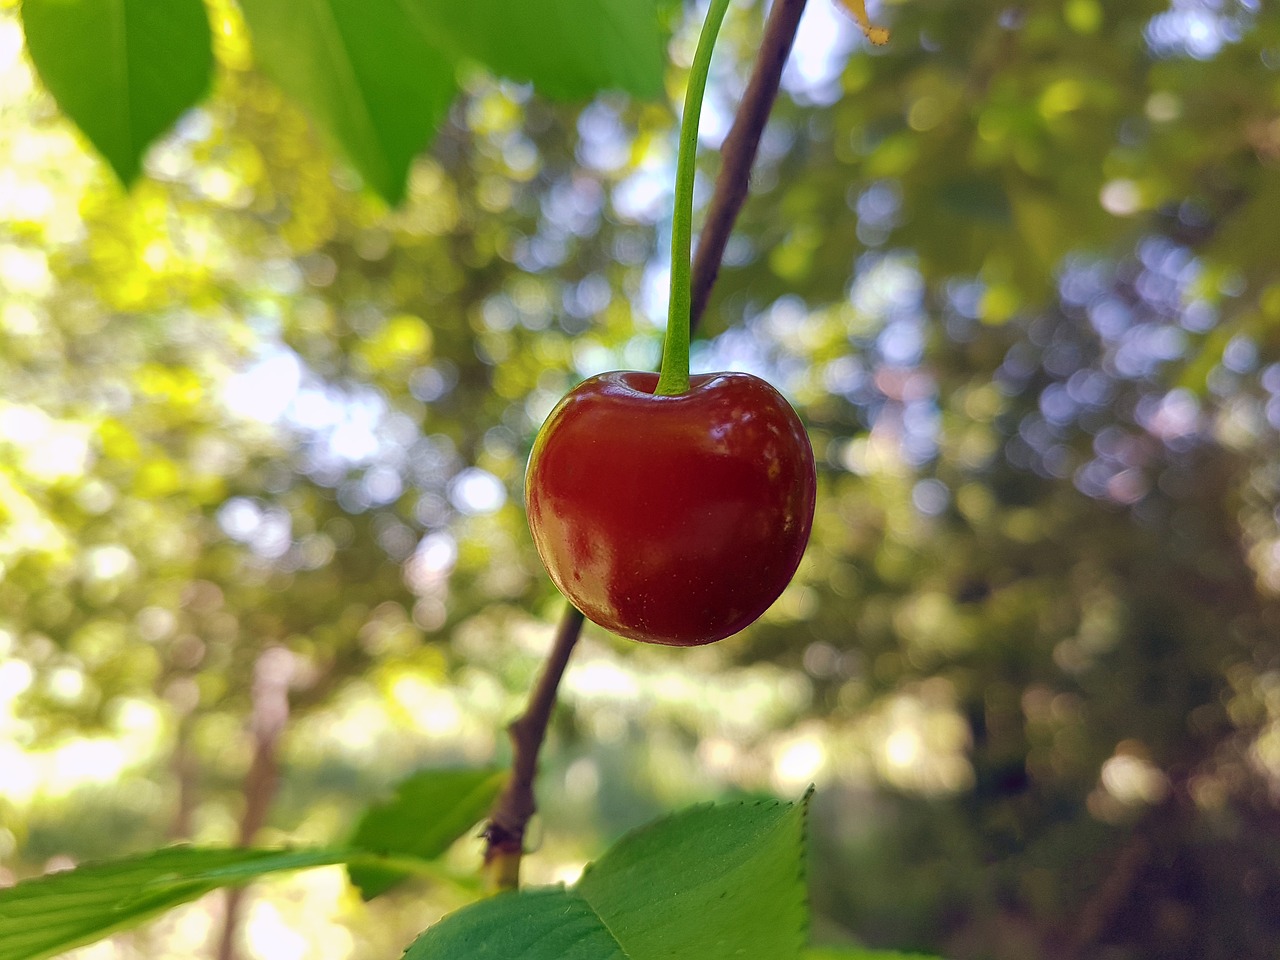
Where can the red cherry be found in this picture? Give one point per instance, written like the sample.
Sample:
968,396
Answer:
671,519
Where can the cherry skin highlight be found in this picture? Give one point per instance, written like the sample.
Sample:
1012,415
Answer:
671,519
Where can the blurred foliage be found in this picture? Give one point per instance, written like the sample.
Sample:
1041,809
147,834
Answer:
377,79
262,442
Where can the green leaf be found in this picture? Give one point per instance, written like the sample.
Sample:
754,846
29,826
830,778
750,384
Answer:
711,883
542,924
850,953
366,74
122,71
569,49
430,810
52,914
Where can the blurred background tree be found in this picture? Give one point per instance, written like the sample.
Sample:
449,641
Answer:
262,442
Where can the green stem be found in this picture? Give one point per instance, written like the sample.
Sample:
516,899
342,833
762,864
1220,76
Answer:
674,376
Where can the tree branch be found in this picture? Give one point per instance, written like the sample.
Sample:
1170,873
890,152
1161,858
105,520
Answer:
740,147
272,676
510,814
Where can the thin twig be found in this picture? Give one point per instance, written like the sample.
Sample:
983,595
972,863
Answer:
740,146
515,805
510,814
272,676
1107,902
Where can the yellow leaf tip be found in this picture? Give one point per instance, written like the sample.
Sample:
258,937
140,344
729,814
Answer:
858,10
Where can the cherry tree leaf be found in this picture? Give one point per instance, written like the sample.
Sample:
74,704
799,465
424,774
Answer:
568,49
857,953
49,915
721,882
858,10
364,71
123,71
430,810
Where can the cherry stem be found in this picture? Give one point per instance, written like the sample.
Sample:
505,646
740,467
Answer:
510,813
674,376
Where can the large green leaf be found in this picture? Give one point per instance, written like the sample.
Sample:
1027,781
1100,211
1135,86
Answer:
121,70
567,48
365,72
429,811
55,913
855,953
549,923
49,915
711,883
